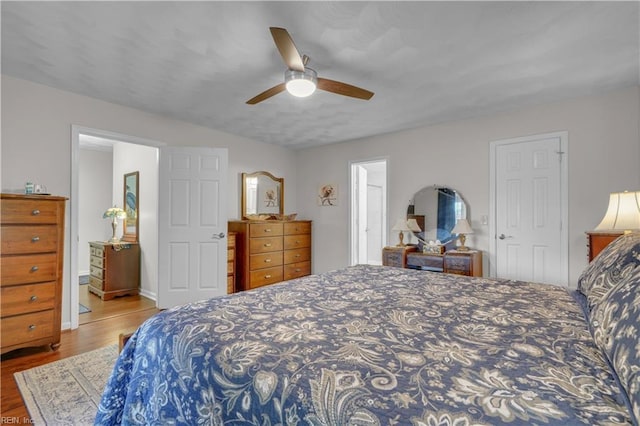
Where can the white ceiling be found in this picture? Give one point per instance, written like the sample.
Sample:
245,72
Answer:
427,62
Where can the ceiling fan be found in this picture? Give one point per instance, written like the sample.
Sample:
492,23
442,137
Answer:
300,80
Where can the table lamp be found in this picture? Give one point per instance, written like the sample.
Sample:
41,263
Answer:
462,228
114,213
623,213
401,226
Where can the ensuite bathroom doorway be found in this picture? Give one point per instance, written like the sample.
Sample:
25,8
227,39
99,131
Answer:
368,213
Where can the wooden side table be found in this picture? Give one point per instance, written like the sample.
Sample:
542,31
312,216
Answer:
597,241
397,256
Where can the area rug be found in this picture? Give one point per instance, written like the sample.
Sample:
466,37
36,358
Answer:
67,392
83,309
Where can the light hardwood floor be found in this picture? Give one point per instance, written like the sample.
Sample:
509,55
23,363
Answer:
85,338
101,309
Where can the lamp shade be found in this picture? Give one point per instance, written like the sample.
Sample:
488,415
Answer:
462,227
623,213
116,212
401,225
412,224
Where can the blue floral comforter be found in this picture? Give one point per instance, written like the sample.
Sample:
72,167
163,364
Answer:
368,345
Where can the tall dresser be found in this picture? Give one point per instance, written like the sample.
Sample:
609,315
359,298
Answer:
31,263
268,252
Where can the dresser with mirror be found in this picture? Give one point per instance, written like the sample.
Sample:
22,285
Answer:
436,210
270,246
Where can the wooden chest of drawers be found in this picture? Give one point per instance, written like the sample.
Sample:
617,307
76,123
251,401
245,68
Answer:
598,240
31,270
114,269
268,252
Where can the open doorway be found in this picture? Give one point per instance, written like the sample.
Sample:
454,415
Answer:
99,161
368,221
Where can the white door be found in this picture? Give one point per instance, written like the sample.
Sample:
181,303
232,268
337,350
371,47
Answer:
192,252
530,232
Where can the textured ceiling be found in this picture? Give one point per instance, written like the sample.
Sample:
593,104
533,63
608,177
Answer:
427,62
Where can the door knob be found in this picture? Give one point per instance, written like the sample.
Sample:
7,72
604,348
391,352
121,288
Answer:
220,235
502,236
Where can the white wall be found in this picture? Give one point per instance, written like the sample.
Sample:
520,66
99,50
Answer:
129,158
36,145
95,192
604,156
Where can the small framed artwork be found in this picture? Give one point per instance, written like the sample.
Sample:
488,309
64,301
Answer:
328,194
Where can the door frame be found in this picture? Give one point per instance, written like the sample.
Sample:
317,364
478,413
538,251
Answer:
353,206
564,198
74,207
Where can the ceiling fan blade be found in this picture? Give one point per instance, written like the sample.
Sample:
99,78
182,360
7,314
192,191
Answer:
343,89
287,49
267,94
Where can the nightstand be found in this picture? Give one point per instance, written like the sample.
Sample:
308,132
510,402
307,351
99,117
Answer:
396,256
598,240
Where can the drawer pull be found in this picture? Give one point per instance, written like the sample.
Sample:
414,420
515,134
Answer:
297,255
267,244
32,327
267,261
297,242
33,298
35,239
267,276
298,269
34,268
35,212
267,229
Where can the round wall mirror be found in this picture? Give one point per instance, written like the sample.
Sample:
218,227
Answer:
437,210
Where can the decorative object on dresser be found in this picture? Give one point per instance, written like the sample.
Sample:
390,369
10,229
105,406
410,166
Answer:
397,256
268,252
462,228
115,269
622,216
114,213
31,268
231,262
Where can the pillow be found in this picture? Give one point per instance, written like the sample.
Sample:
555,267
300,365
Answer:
616,330
615,262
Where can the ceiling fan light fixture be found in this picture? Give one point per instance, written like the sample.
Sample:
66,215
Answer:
301,83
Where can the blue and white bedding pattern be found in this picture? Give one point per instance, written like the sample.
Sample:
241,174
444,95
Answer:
369,345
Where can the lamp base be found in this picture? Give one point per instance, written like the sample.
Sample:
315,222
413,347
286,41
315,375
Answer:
401,237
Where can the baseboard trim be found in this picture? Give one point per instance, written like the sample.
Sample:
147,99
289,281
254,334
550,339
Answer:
149,295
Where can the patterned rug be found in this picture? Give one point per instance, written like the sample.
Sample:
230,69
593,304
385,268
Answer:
67,392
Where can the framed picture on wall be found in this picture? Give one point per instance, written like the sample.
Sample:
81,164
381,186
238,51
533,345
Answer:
131,206
328,194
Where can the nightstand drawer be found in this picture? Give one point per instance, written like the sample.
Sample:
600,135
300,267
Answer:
96,283
97,261
97,272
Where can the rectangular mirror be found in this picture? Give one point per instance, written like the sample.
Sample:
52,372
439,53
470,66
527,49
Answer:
130,203
262,195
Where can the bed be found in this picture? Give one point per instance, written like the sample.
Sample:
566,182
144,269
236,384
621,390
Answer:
374,345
